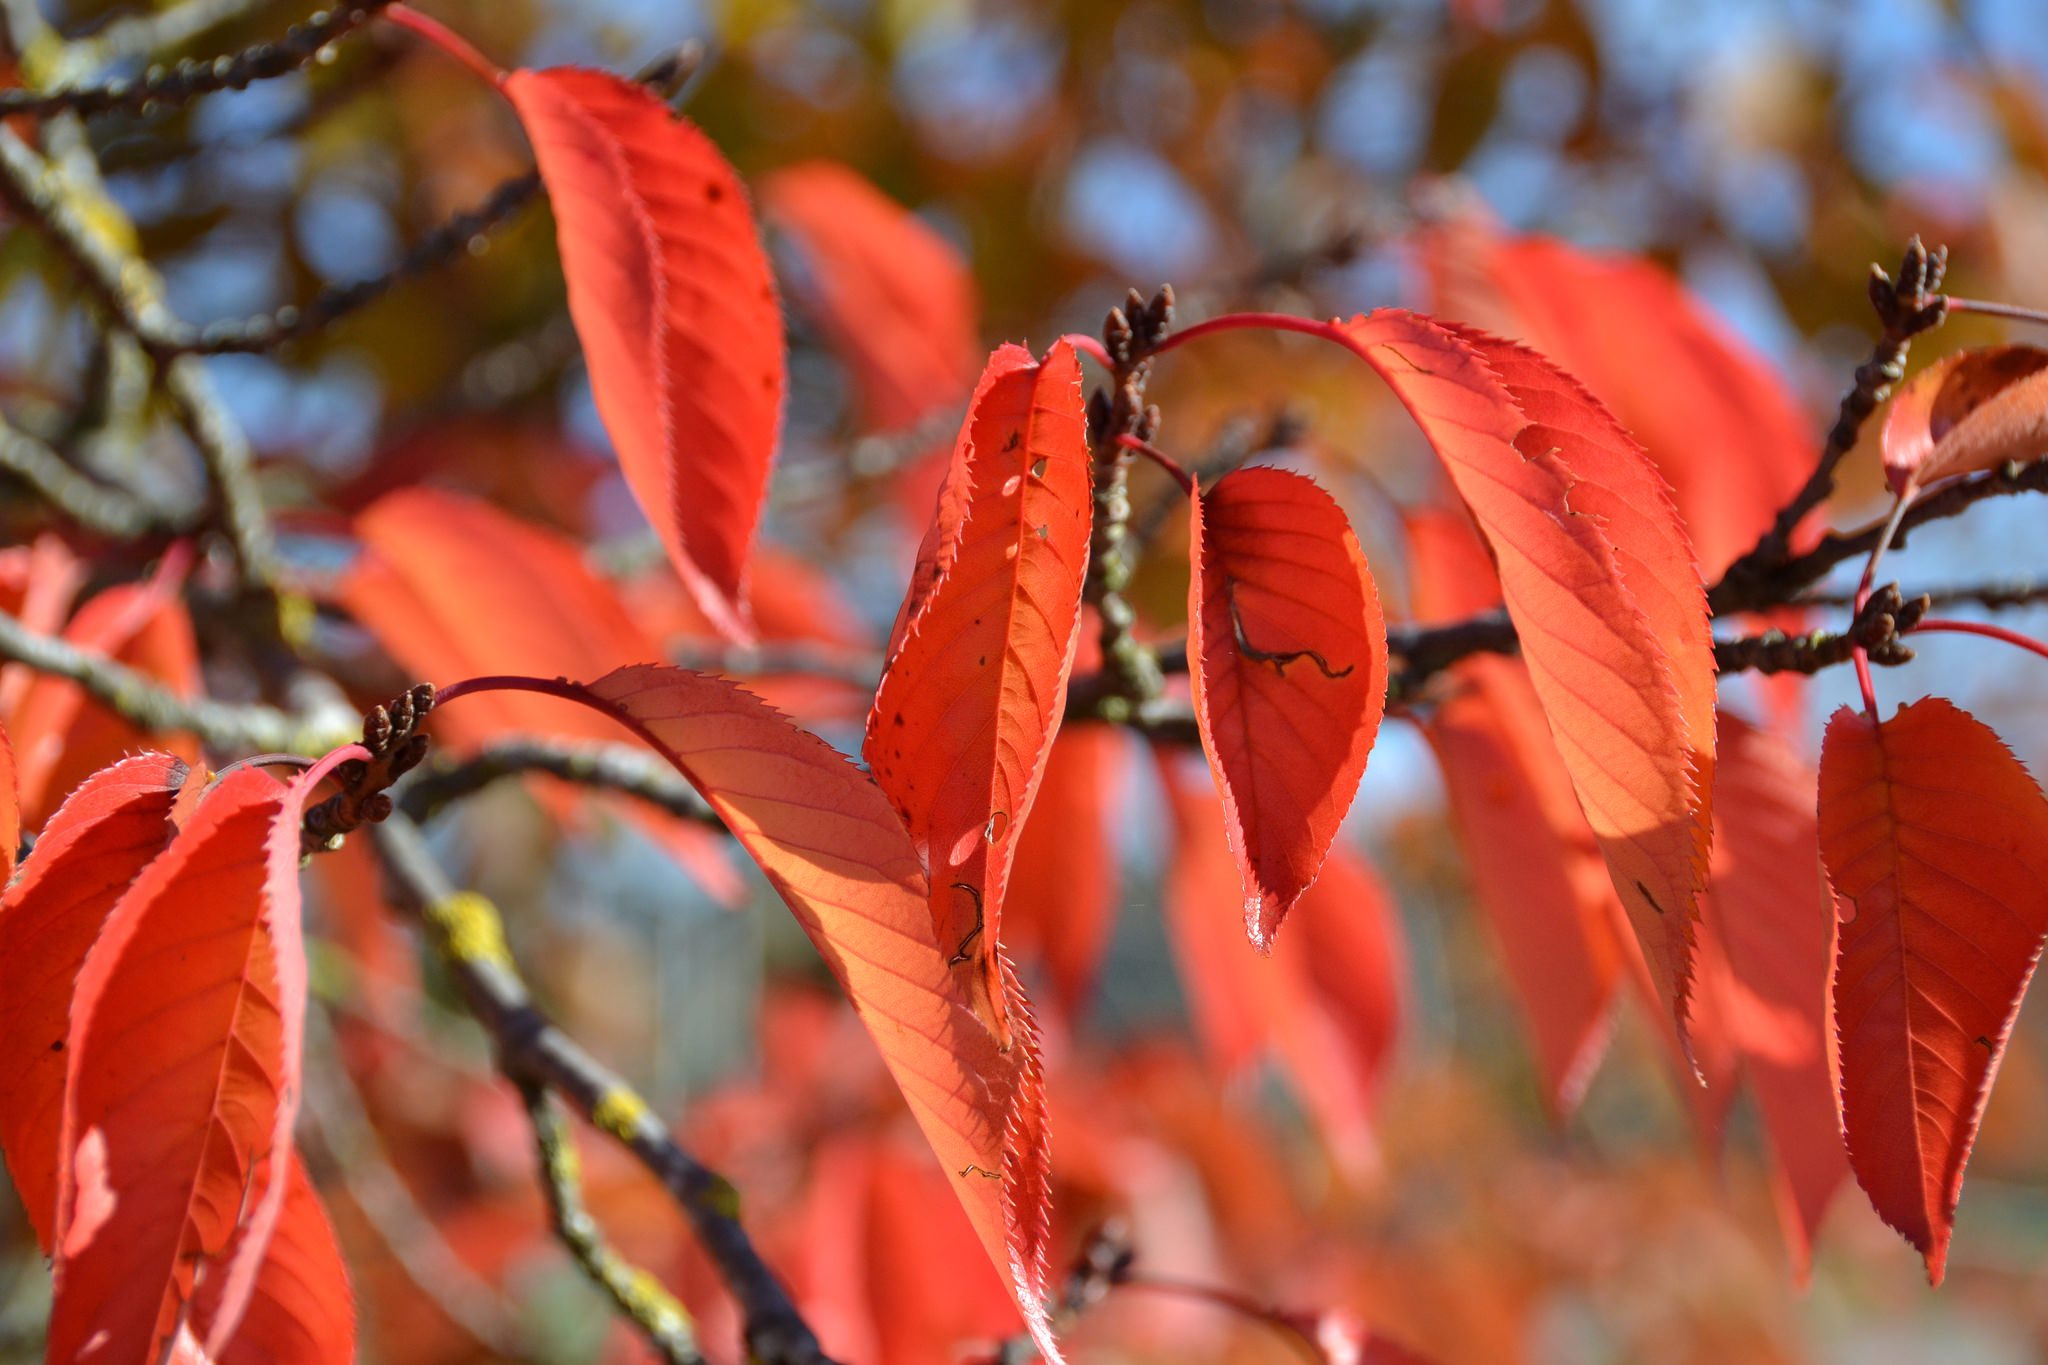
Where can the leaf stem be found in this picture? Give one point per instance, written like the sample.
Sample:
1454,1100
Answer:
1091,347
1942,625
450,42
1160,458
1992,309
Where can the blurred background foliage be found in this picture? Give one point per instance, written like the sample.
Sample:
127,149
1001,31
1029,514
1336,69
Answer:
1254,153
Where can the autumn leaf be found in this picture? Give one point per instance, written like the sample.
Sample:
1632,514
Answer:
840,858
675,304
966,713
1769,910
37,584
1937,836
1723,427
1969,411
1600,583
1287,655
98,842
893,297
182,1084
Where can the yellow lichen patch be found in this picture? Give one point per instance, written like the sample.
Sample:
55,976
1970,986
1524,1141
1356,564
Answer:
618,1112
470,928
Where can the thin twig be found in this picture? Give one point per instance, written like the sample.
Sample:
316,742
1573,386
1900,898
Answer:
614,767
94,505
532,1051
132,294
1906,307
635,1293
185,81
152,708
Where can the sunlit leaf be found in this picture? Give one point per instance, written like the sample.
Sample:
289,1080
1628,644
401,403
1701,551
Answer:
1970,411
966,713
674,301
1287,653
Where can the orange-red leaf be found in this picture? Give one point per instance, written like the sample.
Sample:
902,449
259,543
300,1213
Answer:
893,297
1287,653
183,1081
1969,411
98,842
1939,838
1600,582
1769,910
840,858
1724,430
675,304
966,713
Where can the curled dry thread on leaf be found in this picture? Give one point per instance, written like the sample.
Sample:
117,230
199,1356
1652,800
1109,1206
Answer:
1279,658
1938,837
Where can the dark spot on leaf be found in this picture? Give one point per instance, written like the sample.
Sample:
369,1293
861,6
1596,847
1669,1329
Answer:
713,191
1650,898
57,1046
1984,1042
1016,439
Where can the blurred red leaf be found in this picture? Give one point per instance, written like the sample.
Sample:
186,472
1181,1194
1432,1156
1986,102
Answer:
1769,910
96,843
674,301
1324,1004
1278,583
301,1310
1939,838
453,588
968,707
62,735
894,299
1062,905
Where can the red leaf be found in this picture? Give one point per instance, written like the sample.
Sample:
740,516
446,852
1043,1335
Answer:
839,857
1063,907
1769,909
1969,411
674,302
1938,836
37,583
1288,655
301,1311
966,713
98,842
183,1080
1602,588
893,297
1721,425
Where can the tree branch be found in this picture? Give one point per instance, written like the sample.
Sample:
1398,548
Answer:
150,707
184,81
96,506
613,767
533,1052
